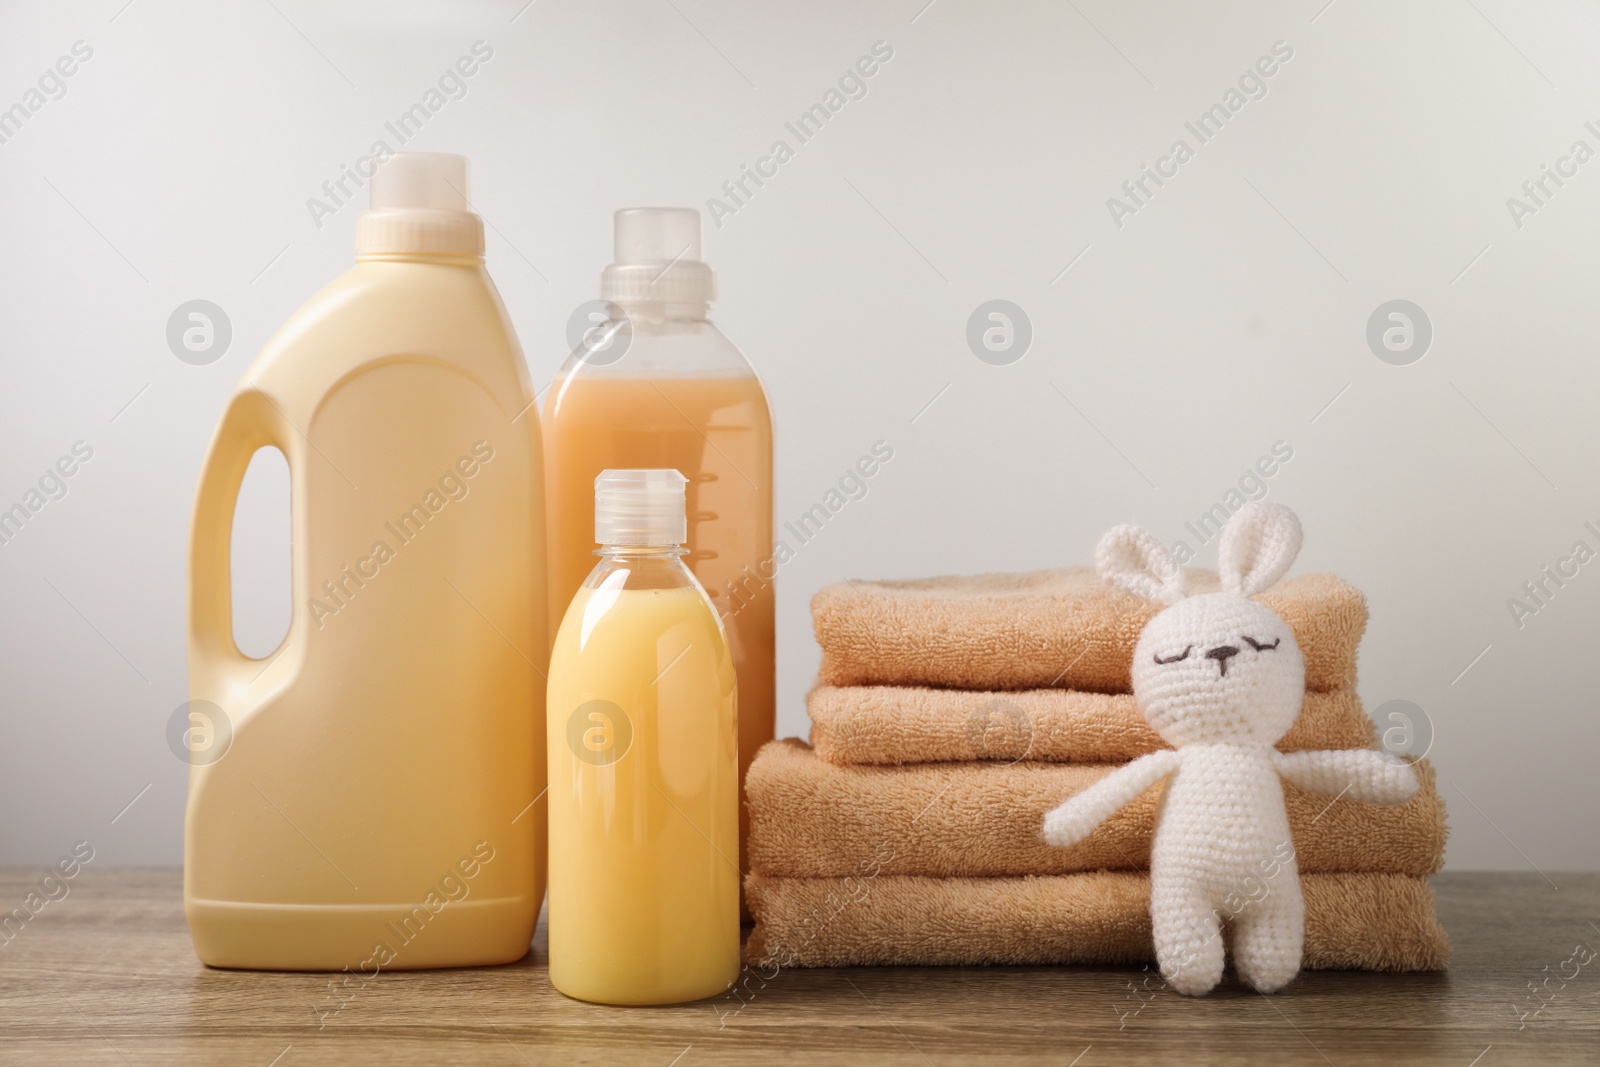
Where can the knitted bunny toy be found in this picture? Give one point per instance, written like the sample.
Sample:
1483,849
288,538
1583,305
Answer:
1221,679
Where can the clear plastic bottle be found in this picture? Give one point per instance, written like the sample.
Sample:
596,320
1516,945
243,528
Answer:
644,887
658,385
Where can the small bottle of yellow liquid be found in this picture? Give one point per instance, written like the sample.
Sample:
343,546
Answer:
644,774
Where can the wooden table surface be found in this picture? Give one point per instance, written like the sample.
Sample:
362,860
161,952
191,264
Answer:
107,975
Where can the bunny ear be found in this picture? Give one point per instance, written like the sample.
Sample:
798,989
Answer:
1258,545
1134,561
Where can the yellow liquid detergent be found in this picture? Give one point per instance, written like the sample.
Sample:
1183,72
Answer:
644,884
361,800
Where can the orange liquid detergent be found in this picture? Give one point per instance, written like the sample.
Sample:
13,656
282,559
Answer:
715,429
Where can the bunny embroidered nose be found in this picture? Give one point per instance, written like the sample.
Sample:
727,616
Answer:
1222,654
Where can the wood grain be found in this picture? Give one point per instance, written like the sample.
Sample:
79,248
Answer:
107,976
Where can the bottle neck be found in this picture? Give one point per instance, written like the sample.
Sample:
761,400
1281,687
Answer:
420,257
640,552
664,314
640,567
419,231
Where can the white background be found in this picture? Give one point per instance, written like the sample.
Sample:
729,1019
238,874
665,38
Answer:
1229,313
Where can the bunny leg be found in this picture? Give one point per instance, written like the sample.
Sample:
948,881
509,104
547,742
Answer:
1268,935
1188,936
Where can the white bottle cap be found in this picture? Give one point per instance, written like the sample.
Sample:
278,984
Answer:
640,507
419,204
657,253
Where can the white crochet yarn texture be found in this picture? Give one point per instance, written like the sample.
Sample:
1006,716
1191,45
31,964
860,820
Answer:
1221,679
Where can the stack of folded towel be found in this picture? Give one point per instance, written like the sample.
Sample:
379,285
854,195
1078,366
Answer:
950,715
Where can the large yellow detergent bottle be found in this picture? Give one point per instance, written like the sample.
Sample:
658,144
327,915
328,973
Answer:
644,772
364,798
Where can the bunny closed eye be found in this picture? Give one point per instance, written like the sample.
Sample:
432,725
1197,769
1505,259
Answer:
1221,653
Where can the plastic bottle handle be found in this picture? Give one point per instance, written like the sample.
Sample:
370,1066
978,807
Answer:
251,422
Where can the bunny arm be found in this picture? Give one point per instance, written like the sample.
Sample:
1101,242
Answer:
1076,817
1363,774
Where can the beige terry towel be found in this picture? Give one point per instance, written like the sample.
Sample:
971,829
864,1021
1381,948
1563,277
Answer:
913,724
813,819
1372,922
1045,629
